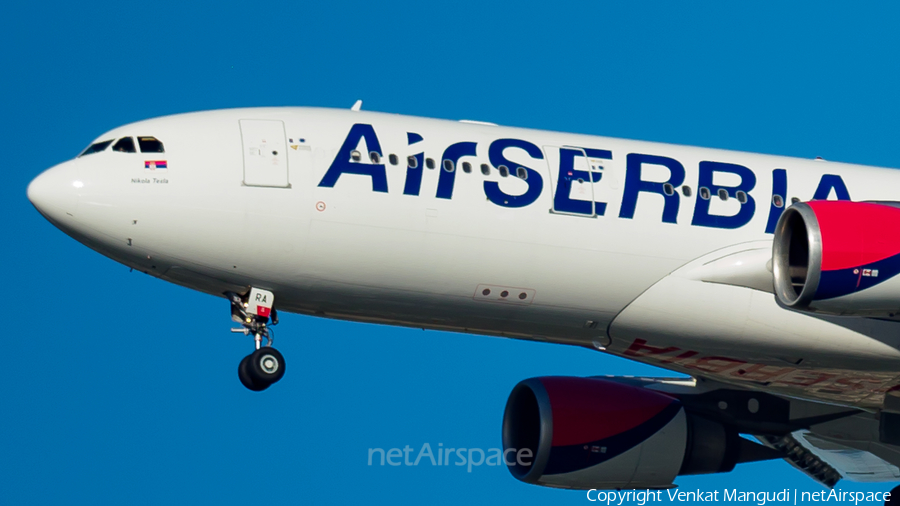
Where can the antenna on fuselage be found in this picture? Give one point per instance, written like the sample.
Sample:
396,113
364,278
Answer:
357,106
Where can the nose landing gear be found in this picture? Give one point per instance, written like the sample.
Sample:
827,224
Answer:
261,369
265,366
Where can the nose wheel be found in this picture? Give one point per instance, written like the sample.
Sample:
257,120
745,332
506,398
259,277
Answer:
260,369
265,366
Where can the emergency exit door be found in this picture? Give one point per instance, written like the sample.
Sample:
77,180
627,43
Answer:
265,153
573,178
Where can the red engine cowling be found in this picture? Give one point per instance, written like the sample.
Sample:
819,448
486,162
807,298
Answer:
839,257
589,433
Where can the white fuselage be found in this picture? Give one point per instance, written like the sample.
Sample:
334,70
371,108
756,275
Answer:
437,248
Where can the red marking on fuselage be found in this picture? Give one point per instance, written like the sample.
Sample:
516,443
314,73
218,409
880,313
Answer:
760,372
773,376
715,365
680,358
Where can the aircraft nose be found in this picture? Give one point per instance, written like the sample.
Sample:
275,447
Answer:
55,191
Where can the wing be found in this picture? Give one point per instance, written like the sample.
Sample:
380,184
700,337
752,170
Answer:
716,318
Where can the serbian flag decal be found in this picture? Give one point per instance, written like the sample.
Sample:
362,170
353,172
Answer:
155,165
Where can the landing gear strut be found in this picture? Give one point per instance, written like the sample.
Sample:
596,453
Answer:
260,369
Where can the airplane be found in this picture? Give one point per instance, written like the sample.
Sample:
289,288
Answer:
770,283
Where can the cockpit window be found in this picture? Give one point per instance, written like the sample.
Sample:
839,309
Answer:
150,145
124,145
96,147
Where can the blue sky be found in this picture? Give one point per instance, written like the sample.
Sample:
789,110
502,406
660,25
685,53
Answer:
119,388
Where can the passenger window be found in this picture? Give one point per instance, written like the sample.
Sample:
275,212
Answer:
485,169
448,165
668,189
467,167
723,194
355,155
794,200
412,162
777,201
96,147
375,157
150,145
521,173
503,170
704,193
686,190
124,145
429,162
742,197
393,159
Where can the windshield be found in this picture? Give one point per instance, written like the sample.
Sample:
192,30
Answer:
125,145
96,147
150,145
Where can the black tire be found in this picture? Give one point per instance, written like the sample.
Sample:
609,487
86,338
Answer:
265,366
247,379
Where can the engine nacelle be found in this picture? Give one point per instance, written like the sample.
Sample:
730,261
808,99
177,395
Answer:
589,433
838,257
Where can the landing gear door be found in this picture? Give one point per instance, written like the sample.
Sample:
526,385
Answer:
265,153
571,181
